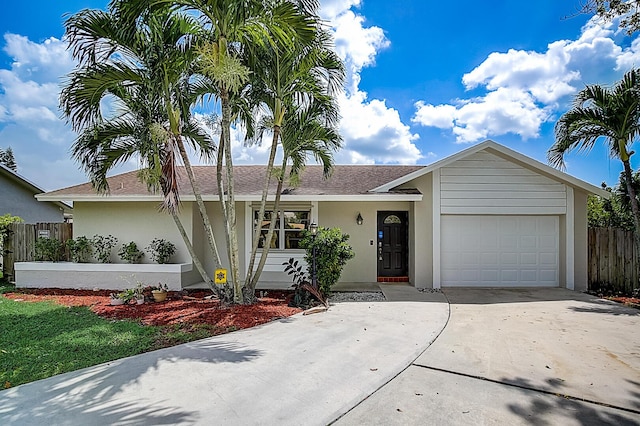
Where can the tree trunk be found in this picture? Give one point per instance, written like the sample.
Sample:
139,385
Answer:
230,209
252,277
201,207
276,206
192,253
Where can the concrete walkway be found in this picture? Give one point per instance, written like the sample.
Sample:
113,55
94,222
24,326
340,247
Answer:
302,370
519,357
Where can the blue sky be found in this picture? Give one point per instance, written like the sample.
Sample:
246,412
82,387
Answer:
426,79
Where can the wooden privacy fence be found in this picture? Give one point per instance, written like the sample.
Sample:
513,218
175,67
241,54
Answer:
613,263
23,236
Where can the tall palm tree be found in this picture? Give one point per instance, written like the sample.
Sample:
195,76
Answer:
288,84
234,29
143,69
608,114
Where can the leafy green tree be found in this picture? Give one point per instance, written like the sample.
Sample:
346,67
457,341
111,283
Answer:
614,212
296,89
8,160
608,114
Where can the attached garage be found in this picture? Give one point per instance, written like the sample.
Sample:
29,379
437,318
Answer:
500,251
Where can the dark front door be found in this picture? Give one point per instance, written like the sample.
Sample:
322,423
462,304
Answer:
392,244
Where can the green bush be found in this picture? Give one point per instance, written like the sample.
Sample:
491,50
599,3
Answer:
161,250
332,253
80,249
103,246
130,253
47,249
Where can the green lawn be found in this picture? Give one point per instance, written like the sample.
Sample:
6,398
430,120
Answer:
39,340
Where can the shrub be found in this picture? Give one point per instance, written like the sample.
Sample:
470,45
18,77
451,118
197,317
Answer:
47,249
130,253
161,250
103,246
332,253
80,249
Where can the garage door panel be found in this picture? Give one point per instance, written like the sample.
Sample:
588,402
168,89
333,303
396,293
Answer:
500,251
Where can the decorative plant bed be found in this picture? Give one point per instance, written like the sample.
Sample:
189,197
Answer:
114,276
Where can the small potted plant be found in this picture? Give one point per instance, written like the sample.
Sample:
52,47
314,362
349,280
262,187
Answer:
139,294
122,298
130,253
159,292
115,299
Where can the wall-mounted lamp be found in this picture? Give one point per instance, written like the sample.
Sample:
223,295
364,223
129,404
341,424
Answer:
359,219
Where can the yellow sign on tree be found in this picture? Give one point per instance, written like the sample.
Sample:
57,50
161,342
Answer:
221,276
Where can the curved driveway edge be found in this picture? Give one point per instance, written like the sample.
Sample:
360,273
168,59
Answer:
300,370
519,357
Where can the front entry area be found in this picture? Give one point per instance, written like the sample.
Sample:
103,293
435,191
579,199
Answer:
392,246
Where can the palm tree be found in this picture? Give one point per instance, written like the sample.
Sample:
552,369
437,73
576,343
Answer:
611,114
289,84
143,69
234,29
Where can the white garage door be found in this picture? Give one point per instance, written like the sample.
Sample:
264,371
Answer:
499,251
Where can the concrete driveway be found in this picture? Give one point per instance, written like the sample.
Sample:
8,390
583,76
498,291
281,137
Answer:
531,356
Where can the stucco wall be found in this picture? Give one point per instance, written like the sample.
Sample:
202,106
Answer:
130,221
19,201
421,234
363,267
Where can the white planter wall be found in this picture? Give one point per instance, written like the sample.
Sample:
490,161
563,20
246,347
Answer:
109,276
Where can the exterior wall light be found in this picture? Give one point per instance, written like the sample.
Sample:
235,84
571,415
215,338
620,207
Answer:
359,219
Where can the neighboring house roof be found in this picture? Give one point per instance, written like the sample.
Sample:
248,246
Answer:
30,186
347,182
504,152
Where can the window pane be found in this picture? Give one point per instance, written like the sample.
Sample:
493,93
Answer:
294,223
392,218
264,225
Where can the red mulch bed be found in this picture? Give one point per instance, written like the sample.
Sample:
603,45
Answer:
179,308
629,301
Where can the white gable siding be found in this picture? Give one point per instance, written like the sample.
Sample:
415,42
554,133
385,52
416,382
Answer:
484,183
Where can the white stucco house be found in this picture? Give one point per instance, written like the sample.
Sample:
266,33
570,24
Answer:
487,216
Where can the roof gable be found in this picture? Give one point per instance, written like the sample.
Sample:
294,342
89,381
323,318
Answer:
505,153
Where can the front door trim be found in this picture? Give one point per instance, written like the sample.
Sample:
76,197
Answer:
392,244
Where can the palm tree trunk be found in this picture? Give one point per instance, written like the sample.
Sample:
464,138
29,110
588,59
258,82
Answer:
194,257
276,206
201,207
230,208
251,276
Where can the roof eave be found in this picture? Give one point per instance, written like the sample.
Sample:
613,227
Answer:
241,198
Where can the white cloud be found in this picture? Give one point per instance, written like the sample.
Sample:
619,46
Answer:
525,88
29,115
373,132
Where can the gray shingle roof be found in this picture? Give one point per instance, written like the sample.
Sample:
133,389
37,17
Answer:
345,180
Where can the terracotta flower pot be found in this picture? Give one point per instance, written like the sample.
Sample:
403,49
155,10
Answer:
159,296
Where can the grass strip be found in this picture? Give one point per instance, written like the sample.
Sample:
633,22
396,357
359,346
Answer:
39,340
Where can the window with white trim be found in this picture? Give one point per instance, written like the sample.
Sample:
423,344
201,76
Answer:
288,230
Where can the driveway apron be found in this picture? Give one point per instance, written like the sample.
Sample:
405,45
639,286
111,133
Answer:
300,370
530,356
